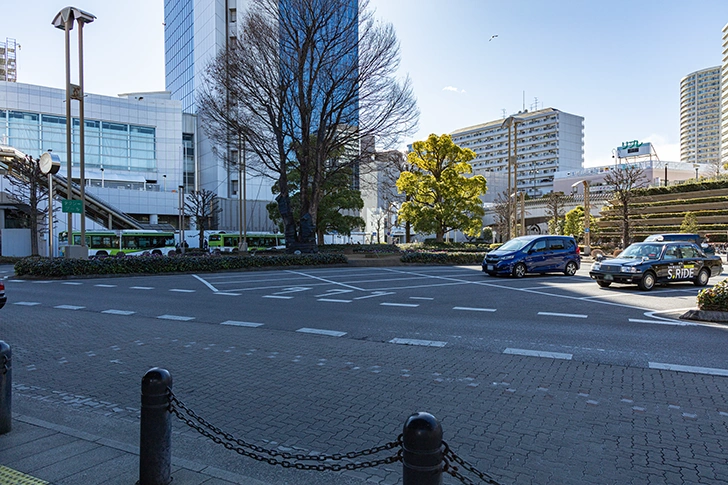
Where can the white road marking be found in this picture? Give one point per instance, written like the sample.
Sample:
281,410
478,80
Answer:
327,280
538,353
665,322
317,331
689,368
141,288
293,289
420,298
374,295
473,309
26,303
16,281
422,343
333,292
408,305
105,286
241,324
568,315
176,290
175,317
204,282
333,300
74,283
227,294
278,296
119,312
69,307
41,282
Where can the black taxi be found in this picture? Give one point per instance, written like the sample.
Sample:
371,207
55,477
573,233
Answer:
649,263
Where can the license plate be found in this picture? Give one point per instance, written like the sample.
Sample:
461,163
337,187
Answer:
490,267
608,277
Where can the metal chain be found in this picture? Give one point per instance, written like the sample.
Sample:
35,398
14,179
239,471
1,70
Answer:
448,455
5,364
284,459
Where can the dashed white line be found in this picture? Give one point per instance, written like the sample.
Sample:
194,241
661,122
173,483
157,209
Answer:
26,303
422,343
665,322
105,286
278,296
118,312
420,298
318,331
241,324
689,368
69,307
176,317
538,353
41,282
407,305
177,290
333,300
471,309
141,288
74,283
567,315
227,294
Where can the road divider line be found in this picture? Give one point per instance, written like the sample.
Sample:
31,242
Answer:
318,331
538,353
665,322
118,312
105,286
204,282
333,300
176,317
241,324
278,297
227,294
26,303
422,343
420,298
141,288
177,290
472,309
567,315
69,307
689,368
74,283
407,305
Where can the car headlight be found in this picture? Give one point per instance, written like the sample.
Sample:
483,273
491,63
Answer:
630,269
506,258
596,266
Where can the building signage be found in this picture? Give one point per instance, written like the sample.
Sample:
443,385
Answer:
73,206
634,148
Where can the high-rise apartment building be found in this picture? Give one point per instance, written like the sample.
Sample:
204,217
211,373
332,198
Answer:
724,99
548,141
700,96
8,61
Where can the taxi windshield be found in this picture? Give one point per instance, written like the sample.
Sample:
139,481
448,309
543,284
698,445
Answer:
642,251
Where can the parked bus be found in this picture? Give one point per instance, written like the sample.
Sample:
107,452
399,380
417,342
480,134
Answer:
257,241
130,242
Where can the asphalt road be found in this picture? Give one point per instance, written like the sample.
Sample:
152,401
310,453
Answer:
525,375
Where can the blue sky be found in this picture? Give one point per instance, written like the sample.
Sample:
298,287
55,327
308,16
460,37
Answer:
617,63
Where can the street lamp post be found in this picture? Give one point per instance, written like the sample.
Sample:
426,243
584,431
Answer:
50,163
64,21
512,121
182,218
696,167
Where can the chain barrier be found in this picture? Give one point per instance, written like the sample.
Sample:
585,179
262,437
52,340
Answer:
450,456
274,457
4,363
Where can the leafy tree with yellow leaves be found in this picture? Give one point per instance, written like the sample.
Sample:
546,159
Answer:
440,197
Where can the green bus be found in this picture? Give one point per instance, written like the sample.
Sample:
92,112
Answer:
129,242
257,241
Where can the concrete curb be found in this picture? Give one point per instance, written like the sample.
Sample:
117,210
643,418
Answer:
705,316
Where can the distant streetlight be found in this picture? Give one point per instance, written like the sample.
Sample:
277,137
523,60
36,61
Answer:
102,177
182,218
64,21
696,167
512,123
587,231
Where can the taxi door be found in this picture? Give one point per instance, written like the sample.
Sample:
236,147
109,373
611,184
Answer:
691,263
670,268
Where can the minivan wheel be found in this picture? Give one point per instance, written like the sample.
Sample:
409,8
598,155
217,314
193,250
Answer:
519,271
647,282
702,278
570,269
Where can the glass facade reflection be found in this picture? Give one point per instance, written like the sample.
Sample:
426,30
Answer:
110,145
179,55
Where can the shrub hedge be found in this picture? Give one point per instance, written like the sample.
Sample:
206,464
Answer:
60,267
715,298
468,258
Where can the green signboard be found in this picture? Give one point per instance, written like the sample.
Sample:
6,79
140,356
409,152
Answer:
74,206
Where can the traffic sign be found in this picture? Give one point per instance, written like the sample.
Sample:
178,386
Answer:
74,206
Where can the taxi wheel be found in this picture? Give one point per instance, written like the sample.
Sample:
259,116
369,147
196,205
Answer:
604,284
702,278
519,271
648,281
570,269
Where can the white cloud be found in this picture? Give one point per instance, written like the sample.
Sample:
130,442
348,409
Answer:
453,89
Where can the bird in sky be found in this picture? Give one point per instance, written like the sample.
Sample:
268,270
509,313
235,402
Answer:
492,37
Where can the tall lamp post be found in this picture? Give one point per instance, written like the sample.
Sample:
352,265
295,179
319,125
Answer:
242,197
696,167
64,21
587,229
50,163
512,123
182,218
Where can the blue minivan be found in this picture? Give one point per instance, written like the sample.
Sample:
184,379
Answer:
534,254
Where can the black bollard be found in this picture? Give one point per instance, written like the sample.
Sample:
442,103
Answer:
155,439
6,387
422,460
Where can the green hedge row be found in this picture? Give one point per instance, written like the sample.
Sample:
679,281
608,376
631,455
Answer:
443,257
715,298
691,186
59,267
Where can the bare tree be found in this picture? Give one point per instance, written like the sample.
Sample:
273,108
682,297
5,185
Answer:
303,80
203,205
503,208
624,181
555,212
30,187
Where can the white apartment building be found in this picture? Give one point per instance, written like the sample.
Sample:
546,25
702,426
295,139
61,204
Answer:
724,98
700,100
548,141
8,60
